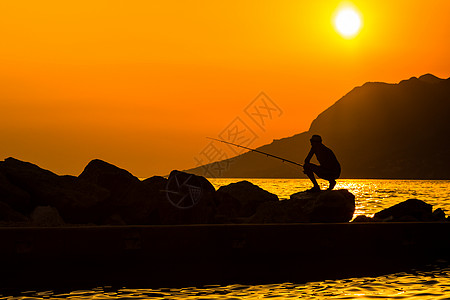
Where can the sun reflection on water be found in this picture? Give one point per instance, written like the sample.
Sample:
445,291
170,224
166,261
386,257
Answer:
430,283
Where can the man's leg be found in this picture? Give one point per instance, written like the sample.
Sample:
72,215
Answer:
308,170
330,176
332,184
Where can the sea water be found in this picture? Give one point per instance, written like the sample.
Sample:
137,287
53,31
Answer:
417,284
428,282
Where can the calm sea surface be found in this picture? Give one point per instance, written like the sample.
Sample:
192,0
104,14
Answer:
430,282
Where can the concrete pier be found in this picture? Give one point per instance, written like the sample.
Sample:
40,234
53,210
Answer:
157,256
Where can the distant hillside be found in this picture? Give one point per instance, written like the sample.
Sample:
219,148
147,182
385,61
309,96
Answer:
378,130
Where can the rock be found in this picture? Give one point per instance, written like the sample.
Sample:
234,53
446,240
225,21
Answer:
403,219
323,207
8,214
83,200
363,218
155,181
46,216
157,185
227,209
332,206
439,215
114,220
139,205
130,200
409,210
285,211
116,180
15,197
75,199
248,195
188,199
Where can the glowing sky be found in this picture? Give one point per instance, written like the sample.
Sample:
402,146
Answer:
141,84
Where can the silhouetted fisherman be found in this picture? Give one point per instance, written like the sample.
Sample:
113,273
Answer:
329,168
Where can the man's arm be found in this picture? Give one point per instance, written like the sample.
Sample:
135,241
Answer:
310,155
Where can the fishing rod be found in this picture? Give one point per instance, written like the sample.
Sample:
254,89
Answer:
254,150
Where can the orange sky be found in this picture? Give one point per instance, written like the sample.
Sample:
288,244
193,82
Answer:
141,84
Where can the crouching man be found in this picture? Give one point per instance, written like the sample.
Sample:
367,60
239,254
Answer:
329,168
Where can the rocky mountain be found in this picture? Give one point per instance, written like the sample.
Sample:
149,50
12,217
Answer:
377,130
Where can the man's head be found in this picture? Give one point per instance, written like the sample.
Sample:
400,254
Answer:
316,140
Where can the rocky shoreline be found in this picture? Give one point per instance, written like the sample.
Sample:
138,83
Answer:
104,194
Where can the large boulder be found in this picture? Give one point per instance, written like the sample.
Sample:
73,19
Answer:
243,198
409,210
130,200
332,206
46,216
323,207
187,199
116,180
284,211
74,199
439,215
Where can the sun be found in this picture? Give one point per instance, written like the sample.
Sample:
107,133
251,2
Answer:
347,22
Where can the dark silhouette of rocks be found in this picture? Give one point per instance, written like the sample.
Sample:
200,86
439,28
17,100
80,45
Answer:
411,210
377,130
116,180
249,197
156,186
104,194
364,218
155,181
329,206
228,209
414,208
304,207
129,200
73,198
174,210
439,215
46,216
